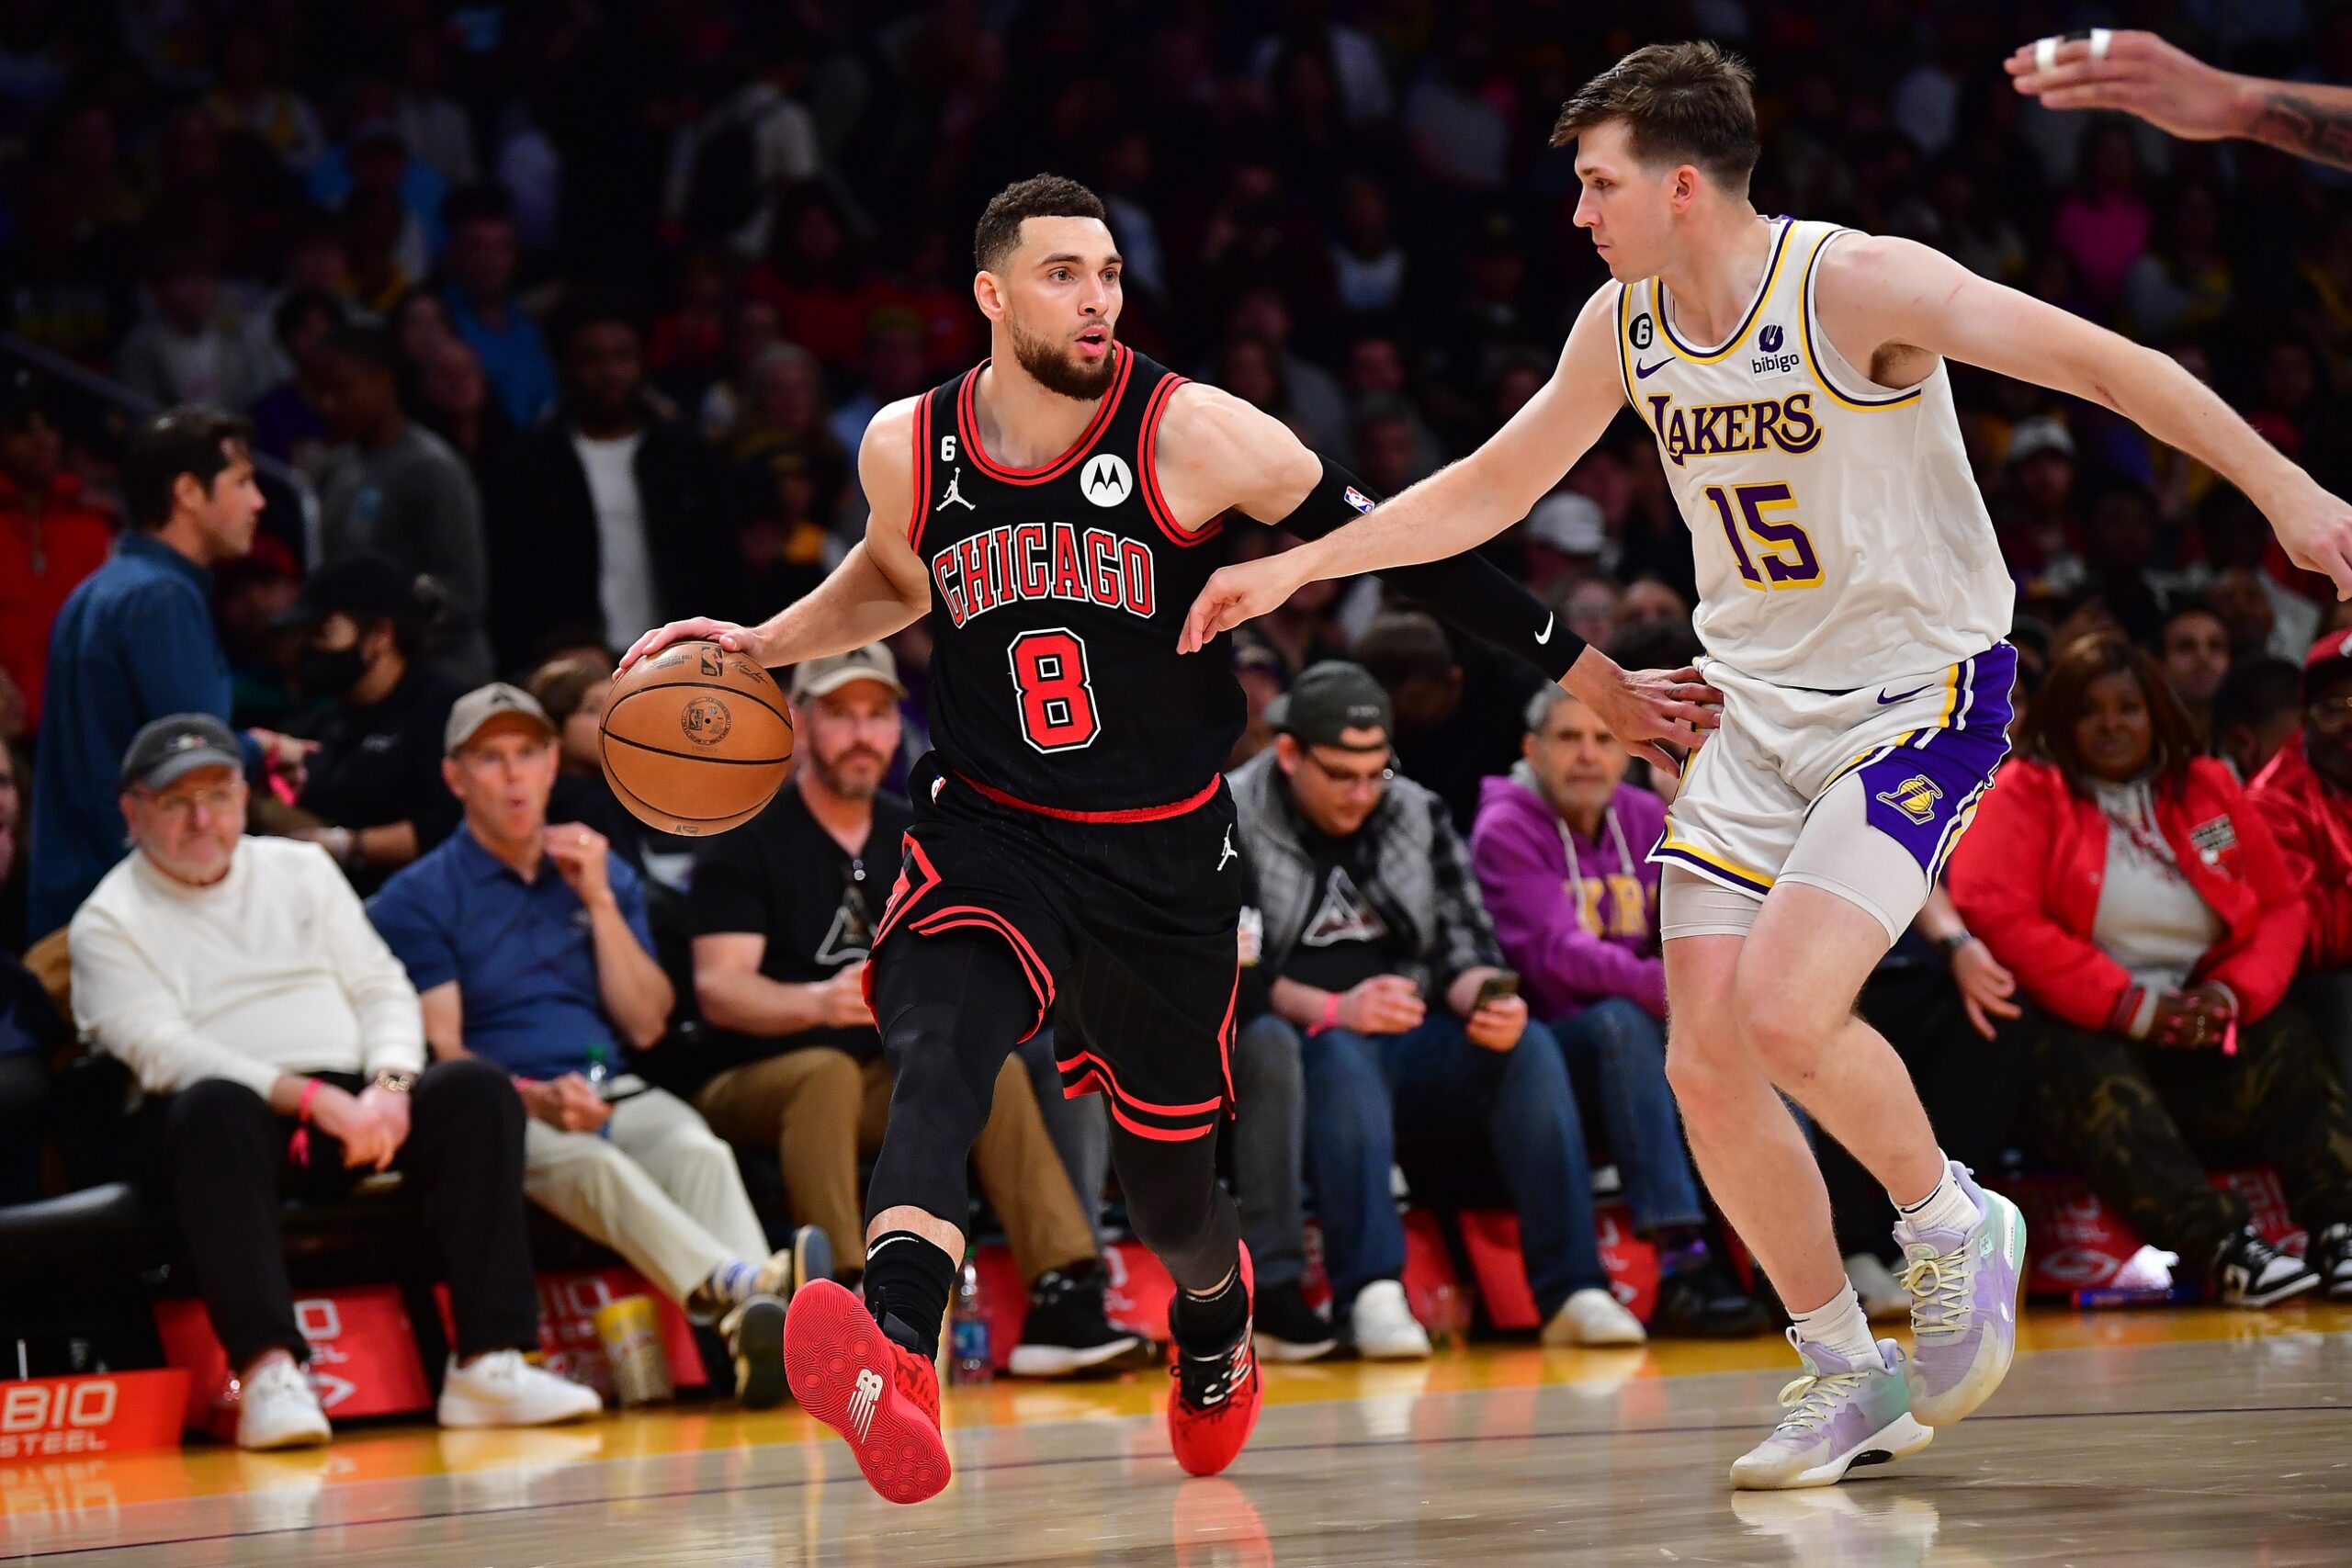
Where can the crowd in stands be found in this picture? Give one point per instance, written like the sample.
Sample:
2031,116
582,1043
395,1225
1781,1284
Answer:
566,319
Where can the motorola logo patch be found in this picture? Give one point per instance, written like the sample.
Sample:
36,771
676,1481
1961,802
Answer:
1106,480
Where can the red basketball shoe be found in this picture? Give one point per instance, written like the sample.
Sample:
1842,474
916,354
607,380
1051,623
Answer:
1214,1405
880,1396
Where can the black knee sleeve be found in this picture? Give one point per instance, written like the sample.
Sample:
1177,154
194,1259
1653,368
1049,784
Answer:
1177,1207
950,1009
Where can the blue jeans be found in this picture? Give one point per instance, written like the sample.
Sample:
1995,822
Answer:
1617,1051
1362,1090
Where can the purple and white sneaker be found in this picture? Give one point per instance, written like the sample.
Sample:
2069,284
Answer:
1840,1414
1963,1288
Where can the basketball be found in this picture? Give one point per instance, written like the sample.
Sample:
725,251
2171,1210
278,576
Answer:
695,739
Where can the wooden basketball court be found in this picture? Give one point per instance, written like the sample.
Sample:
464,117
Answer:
2174,1438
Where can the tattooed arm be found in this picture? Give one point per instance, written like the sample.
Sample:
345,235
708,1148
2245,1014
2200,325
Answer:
2143,75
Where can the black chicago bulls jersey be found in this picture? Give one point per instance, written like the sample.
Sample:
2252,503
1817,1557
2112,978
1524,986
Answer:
1057,596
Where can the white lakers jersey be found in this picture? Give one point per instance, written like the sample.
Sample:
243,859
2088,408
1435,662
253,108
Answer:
1837,531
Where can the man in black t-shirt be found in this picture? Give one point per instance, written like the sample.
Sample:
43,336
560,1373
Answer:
783,912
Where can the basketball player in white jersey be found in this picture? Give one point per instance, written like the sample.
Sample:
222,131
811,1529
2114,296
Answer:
1853,603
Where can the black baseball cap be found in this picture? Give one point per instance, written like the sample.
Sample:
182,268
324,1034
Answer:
1328,699
365,587
168,749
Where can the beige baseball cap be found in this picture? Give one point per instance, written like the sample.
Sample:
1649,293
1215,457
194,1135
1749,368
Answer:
483,703
817,677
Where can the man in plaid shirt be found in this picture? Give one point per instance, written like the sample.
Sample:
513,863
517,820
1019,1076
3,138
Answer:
1376,947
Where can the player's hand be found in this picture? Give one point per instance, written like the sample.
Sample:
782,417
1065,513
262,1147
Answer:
1645,707
2141,75
1386,1004
844,999
2316,528
1986,988
582,857
1499,1025
701,628
1239,593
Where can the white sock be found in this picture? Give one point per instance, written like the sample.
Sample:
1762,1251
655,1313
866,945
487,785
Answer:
732,1283
1945,1209
1840,1327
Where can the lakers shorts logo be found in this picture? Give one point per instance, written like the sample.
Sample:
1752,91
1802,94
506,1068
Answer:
1916,797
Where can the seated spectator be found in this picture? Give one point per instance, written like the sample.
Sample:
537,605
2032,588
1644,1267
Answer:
394,489
1575,909
784,916
611,509
134,642
239,981
188,349
2153,926
2194,648
2256,712
573,690
2305,797
288,421
454,401
530,948
483,256
1588,608
1647,599
373,786
1369,909
1567,536
51,538
30,1031
1457,703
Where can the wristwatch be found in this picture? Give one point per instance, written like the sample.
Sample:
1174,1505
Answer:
1952,943
394,1080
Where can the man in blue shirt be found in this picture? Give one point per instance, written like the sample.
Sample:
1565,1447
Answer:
134,642
528,946
483,253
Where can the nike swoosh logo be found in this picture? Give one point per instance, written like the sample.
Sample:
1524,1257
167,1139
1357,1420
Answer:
1643,372
1904,696
1544,636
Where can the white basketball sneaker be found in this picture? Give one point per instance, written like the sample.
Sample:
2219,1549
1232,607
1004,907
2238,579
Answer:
502,1389
1382,1325
1593,1317
278,1408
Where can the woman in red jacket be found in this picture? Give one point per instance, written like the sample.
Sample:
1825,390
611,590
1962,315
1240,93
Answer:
2153,925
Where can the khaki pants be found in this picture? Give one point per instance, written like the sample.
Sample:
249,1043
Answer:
655,1186
820,1110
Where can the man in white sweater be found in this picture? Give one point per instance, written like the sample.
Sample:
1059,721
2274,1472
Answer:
281,1045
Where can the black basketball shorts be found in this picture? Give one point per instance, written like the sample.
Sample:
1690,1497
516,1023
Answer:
1125,925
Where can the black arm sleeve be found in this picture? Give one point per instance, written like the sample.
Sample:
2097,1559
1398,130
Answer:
1470,592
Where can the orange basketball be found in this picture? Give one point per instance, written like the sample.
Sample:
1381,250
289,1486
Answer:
696,738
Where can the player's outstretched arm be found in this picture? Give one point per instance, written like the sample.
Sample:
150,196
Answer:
1457,507
1217,453
2173,90
879,587
1878,294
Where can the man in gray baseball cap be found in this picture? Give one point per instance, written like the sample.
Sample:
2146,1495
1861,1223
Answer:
470,714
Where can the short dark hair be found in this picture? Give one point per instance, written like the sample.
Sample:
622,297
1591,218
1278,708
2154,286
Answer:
1039,195
1405,645
1692,103
486,202
190,439
2182,608
301,304
2066,691
2257,689
593,304
366,345
1654,645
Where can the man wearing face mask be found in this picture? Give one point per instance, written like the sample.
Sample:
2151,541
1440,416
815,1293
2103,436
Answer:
374,785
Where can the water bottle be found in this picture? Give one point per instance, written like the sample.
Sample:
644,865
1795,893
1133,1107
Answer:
968,1326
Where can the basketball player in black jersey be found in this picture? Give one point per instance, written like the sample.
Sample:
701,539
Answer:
1055,511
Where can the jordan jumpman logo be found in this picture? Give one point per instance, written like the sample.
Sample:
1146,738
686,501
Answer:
954,495
1230,853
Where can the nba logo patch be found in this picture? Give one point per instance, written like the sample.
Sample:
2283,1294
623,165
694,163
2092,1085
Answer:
1358,500
1916,797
